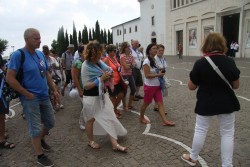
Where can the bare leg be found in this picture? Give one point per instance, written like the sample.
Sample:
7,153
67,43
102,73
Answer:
89,129
143,109
163,116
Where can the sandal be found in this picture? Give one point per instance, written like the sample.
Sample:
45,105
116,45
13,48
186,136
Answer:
168,123
187,159
94,145
7,145
120,148
145,121
118,114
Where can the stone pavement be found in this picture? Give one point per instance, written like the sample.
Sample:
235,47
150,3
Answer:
152,145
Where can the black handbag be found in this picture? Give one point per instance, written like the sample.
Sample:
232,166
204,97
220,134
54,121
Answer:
56,78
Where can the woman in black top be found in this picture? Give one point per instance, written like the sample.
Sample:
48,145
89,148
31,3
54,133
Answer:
214,97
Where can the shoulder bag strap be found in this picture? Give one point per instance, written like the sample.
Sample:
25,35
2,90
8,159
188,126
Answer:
217,70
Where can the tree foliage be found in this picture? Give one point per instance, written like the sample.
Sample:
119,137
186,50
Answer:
3,45
85,35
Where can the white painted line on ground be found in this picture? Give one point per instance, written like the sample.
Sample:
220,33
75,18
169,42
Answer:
15,104
146,132
244,76
180,69
243,98
181,83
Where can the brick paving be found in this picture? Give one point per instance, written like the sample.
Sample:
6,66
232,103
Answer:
152,148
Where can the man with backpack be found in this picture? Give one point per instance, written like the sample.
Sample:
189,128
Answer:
33,91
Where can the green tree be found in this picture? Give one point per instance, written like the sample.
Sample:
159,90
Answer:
90,35
66,44
93,34
110,41
85,36
74,37
3,45
60,41
105,36
70,39
79,37
102,37
97,32
54,45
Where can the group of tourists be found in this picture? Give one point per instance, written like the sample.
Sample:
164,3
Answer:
101,82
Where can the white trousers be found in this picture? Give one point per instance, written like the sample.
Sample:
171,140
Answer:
226,132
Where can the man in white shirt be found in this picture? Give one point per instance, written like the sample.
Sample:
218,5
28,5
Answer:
138,56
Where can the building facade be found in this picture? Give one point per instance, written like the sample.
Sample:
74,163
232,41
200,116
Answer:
186,22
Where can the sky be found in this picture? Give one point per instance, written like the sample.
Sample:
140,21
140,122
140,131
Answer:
49,15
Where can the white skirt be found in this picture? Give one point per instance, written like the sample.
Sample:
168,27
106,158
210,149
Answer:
105,119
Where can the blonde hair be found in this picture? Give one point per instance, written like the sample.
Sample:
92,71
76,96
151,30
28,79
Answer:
214,42
93,51
123,46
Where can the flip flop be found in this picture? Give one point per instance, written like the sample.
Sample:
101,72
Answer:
186,158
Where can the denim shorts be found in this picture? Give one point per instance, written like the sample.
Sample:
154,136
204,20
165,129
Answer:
39,114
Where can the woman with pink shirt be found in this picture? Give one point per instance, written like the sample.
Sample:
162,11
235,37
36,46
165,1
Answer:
127,63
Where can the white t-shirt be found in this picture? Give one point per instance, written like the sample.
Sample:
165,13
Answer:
138,56
161,62
152,81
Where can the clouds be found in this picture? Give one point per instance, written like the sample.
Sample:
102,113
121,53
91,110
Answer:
49,15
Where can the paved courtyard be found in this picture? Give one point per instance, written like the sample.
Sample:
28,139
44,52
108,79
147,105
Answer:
149,146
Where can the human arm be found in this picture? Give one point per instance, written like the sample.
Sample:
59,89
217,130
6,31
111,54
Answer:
191,85
75,73
236,84
12,81
95,83
52,86
147,73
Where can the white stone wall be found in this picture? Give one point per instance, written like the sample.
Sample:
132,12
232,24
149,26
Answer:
200,15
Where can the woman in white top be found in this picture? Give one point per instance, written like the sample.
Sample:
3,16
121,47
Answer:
160,64
152,89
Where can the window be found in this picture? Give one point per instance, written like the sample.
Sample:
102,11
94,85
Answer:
135,28
124,31
174,4
129,29
187,1
120,32
182,2
117,32
153,20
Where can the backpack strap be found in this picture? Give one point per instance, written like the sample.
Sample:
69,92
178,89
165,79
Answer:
20,71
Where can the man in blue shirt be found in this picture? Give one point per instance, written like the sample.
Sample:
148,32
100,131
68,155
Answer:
34,92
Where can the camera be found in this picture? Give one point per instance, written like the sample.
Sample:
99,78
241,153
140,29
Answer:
163,70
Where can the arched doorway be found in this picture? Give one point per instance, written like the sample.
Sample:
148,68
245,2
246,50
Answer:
153,37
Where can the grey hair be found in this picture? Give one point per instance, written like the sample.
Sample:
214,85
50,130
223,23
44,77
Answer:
29,32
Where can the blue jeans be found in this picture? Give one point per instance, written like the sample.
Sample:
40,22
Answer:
39,114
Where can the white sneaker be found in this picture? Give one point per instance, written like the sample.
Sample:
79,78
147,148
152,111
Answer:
82,127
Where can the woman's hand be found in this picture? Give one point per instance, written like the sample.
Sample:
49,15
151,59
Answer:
105,76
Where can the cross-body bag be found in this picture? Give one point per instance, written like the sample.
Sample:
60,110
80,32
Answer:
217,70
